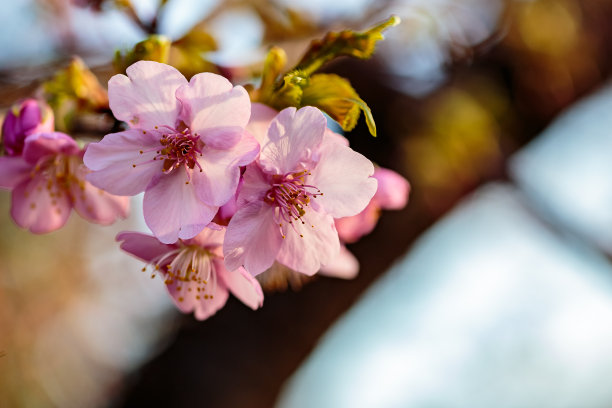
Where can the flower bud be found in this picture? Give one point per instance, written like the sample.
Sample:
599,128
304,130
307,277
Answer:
23,119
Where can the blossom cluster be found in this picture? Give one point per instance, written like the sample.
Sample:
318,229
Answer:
230,187
45,171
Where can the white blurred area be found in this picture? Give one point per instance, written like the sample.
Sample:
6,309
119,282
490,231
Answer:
419,50
567,170
505,302
37,37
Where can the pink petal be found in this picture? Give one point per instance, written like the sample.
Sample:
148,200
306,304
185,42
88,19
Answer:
33,207
329,137
145,98
318,245
210,101
350,229
218,181
261,116
96,205
143,246
393,189
113,160
254,186
13,170
292,138
222,138
242,285
208,238
25,118
193,300
40,145
227,210
252,239
208,307
344,266
172,209
333,137
343,176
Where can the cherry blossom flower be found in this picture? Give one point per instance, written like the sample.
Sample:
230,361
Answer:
23,119
301,181
48,180
193,271
391,194
343,266
184,148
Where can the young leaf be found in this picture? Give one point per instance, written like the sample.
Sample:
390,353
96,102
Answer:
73,89
153,48
344,43
330,93
187,54
335,96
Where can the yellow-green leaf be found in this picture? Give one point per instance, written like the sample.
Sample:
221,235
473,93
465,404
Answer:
330,93
188,54
335,96
154,48
273,64
343,43
73,89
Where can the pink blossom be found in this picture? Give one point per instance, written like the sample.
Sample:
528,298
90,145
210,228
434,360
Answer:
343,266
301,181
184,148
23,119
48,180
391,194
193,271
227,210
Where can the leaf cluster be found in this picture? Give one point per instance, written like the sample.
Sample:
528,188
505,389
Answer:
302,86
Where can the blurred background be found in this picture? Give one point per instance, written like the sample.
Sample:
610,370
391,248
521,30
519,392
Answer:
500,291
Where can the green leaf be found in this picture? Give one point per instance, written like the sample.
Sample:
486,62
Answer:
188,54
344,43
273,64
332,94
153,48
335,96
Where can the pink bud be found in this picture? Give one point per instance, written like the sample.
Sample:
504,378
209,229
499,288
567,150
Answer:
23,119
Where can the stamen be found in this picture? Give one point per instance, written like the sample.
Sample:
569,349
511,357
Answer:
189,268
180,148
291,196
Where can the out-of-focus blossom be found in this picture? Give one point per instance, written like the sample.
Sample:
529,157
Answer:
343,266
290,195
193,271
48,180
23,119
185,147
391,194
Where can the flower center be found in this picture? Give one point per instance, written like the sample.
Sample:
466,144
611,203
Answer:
189,270
56,175
179,148
291,195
